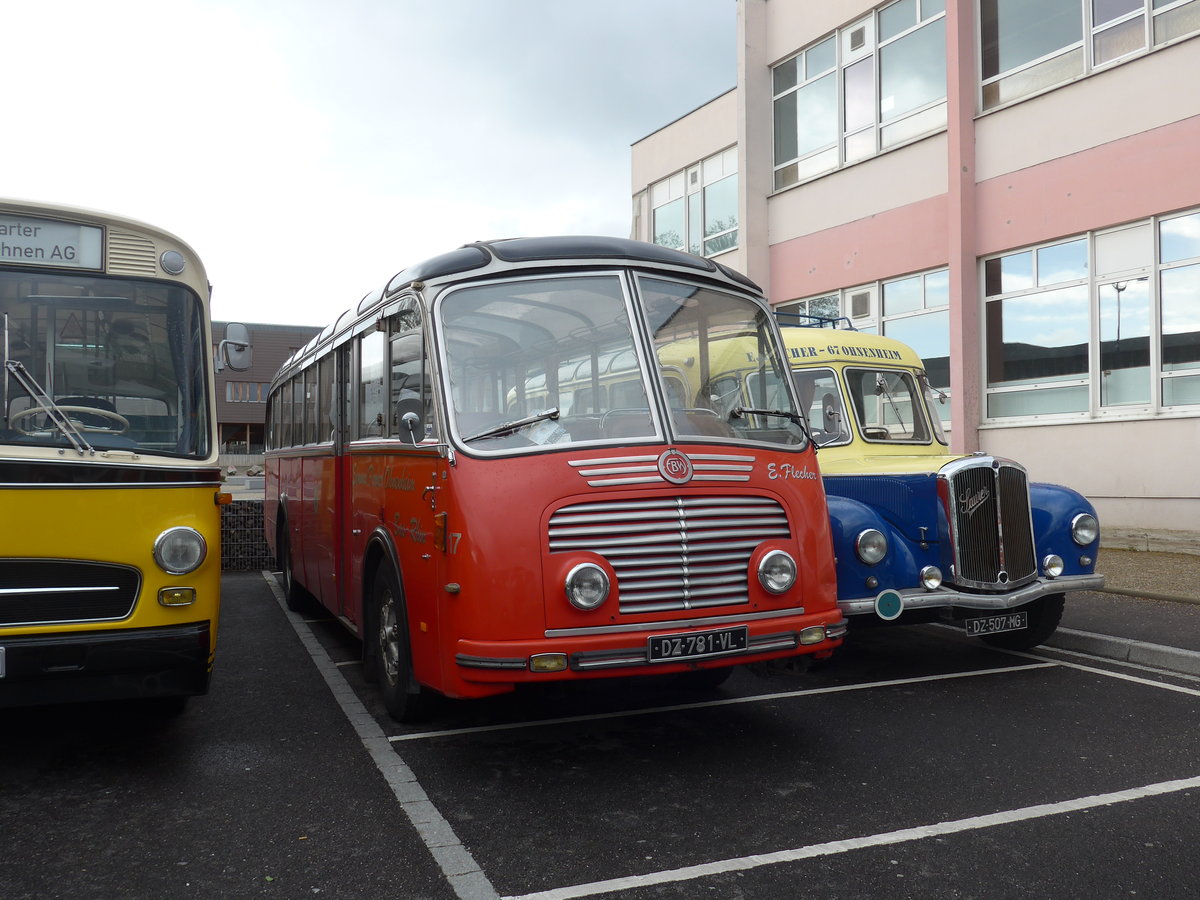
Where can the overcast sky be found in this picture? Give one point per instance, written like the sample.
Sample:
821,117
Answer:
310,149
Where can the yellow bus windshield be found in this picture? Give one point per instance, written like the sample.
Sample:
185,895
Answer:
120,362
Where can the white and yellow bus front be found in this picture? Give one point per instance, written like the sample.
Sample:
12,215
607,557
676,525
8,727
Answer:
110,557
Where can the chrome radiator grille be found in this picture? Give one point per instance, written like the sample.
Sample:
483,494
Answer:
38,591
992,533
672,553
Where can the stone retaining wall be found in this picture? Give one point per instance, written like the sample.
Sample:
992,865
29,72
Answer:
242,544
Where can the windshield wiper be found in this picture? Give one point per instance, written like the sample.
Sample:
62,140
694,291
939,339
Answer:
507,427
742,411
53,413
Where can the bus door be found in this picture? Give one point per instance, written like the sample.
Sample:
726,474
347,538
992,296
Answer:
319,487
416,476
395,471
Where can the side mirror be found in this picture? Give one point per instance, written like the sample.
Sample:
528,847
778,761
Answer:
410,422
235,351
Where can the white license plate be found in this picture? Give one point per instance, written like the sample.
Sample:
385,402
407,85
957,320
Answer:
698,644
996,624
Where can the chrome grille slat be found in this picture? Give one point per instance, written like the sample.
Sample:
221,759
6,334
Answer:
672,553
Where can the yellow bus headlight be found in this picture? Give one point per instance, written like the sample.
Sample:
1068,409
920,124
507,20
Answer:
180,550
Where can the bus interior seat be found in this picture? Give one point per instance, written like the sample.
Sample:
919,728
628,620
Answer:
702,421
622,423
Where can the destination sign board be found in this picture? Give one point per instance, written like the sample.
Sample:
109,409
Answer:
31,241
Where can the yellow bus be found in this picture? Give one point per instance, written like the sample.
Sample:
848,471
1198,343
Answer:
110,559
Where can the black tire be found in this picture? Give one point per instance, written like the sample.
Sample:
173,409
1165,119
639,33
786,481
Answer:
1044,615
294,596
406,701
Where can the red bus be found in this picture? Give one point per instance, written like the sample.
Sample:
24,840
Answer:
511,464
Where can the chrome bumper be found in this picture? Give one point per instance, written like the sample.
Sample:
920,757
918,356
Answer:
919,598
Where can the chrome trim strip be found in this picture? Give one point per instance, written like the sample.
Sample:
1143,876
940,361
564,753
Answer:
57,590
490,662
610,461
919,598
673,623
619,470
655,480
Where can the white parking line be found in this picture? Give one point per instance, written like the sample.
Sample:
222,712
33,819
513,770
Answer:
455,860
670,876
1183,676
732,701
1122,676
469,882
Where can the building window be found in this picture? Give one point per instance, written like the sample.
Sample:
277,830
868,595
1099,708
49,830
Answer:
916,311
696,210
1104,324
1029,45
246,391
874,84
820,311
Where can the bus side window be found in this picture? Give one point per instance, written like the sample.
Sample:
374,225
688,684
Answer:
372,349
410,388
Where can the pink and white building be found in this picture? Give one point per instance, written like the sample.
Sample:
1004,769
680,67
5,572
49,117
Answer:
1010,186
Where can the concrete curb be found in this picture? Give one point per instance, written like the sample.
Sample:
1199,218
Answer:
1142,653
1147,595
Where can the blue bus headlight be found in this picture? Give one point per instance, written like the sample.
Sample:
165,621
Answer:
1084,529
777,571
180,550
587,586
871,546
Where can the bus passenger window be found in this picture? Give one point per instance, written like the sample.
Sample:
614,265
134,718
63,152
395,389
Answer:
410,385
372,348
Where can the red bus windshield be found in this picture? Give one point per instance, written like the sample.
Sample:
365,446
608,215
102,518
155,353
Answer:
542,362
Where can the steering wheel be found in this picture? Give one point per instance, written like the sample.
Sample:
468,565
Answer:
119,424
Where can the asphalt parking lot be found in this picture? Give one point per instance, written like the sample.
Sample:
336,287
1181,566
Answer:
919,764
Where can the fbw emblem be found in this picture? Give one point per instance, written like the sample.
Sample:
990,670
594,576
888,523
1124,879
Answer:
675,467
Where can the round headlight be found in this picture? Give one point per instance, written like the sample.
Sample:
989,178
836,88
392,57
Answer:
931,578
777,571
871,546
1084,529
1052,566
180,550
587,586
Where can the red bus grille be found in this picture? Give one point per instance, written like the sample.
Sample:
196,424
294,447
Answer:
41,591
673,553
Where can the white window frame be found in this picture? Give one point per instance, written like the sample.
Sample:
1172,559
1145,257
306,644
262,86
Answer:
1089,30
690,184
1152,271
913,125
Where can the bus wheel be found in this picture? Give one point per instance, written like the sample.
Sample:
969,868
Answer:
1044,616
294,595
406,701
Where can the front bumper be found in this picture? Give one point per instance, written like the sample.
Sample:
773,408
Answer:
115,664
618,650
919,598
